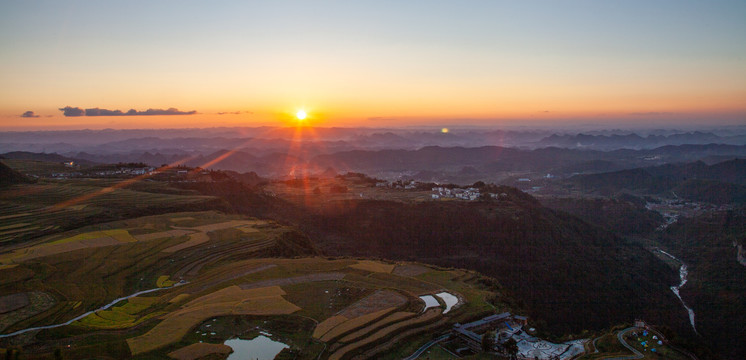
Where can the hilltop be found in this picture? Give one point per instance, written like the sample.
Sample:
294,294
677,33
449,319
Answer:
602,279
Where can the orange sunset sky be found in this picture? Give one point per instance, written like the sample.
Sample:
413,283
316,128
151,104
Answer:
373,63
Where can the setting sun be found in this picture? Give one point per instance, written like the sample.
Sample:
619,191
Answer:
300,115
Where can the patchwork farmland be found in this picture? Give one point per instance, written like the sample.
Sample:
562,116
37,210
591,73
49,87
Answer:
82,263
31,211
206,269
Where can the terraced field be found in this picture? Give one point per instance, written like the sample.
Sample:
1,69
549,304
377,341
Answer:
97,264
30,211
211,268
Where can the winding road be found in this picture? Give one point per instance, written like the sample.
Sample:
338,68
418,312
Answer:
620,336
425,347
86,314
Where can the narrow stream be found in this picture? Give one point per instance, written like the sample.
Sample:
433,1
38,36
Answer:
86,314
682,275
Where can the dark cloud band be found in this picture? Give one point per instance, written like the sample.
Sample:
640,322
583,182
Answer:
76,111
29,114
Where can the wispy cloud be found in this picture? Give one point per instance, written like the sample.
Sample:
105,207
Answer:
76,111
651,113
234,112
29,114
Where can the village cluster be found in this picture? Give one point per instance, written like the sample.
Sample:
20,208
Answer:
505,331
458,193
114,172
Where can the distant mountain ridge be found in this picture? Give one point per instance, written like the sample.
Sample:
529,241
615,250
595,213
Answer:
47,157
719,183
432,163
635,141
329,140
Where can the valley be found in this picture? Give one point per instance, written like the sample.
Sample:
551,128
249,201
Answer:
162,261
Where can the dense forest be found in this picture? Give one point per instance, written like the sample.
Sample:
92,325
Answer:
721,183
625,215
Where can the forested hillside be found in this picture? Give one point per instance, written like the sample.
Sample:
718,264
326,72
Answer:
717,281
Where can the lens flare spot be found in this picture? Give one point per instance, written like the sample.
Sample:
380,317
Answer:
444,130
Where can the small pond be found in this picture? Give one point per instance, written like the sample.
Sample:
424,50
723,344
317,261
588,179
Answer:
258,348
430,301
449,299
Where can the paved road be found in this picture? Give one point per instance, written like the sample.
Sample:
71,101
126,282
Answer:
595,348
425,347
620,336
88,313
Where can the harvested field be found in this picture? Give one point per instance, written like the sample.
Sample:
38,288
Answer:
163,281
200,350
409,284
142,301
324,299
185,218
227,225
328,324
13,302
398,338
353,324
214,255
121,235
264,306
410,270
49,205
102,241
163,235
18,230
13,216
13,226
228,301
233,294
38,303
179,298
248,229
387,331
81,241
24,254
373,266
232,275
381,299
388,320
294,280
194,240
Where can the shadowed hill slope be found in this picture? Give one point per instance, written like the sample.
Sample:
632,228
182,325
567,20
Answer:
569,274
9,176
716,287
